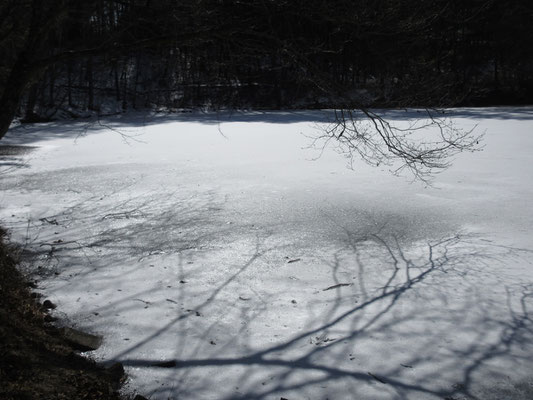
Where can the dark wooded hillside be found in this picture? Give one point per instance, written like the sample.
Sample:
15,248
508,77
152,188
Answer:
67,57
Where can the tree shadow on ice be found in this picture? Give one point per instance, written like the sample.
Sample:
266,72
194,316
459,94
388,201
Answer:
354,337
114,237
113,224
392,316
11,158
127,125
130,126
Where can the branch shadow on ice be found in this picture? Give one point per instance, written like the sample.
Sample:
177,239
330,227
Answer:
123,124
106,226
129,126
335,347
392,319
10,157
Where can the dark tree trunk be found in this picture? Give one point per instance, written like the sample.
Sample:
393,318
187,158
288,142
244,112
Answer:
125,87
51,93
20,77
69,75
90,84
26,68
29,115
117,82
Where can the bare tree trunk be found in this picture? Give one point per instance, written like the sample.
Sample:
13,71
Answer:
29,114
21,73
69,89
125,86
26,69
90,83
51,92
117,82
19,78
496,74
136,82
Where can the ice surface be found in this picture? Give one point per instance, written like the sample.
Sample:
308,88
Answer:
208,241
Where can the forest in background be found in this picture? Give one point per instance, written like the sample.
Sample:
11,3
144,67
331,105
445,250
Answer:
64,58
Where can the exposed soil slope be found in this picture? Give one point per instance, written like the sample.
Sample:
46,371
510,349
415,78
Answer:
36,362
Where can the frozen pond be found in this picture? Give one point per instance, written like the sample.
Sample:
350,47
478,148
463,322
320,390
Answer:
221,260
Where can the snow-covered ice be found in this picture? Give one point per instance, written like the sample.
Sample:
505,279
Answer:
220,260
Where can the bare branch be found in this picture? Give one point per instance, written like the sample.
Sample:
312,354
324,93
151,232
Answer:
425,147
